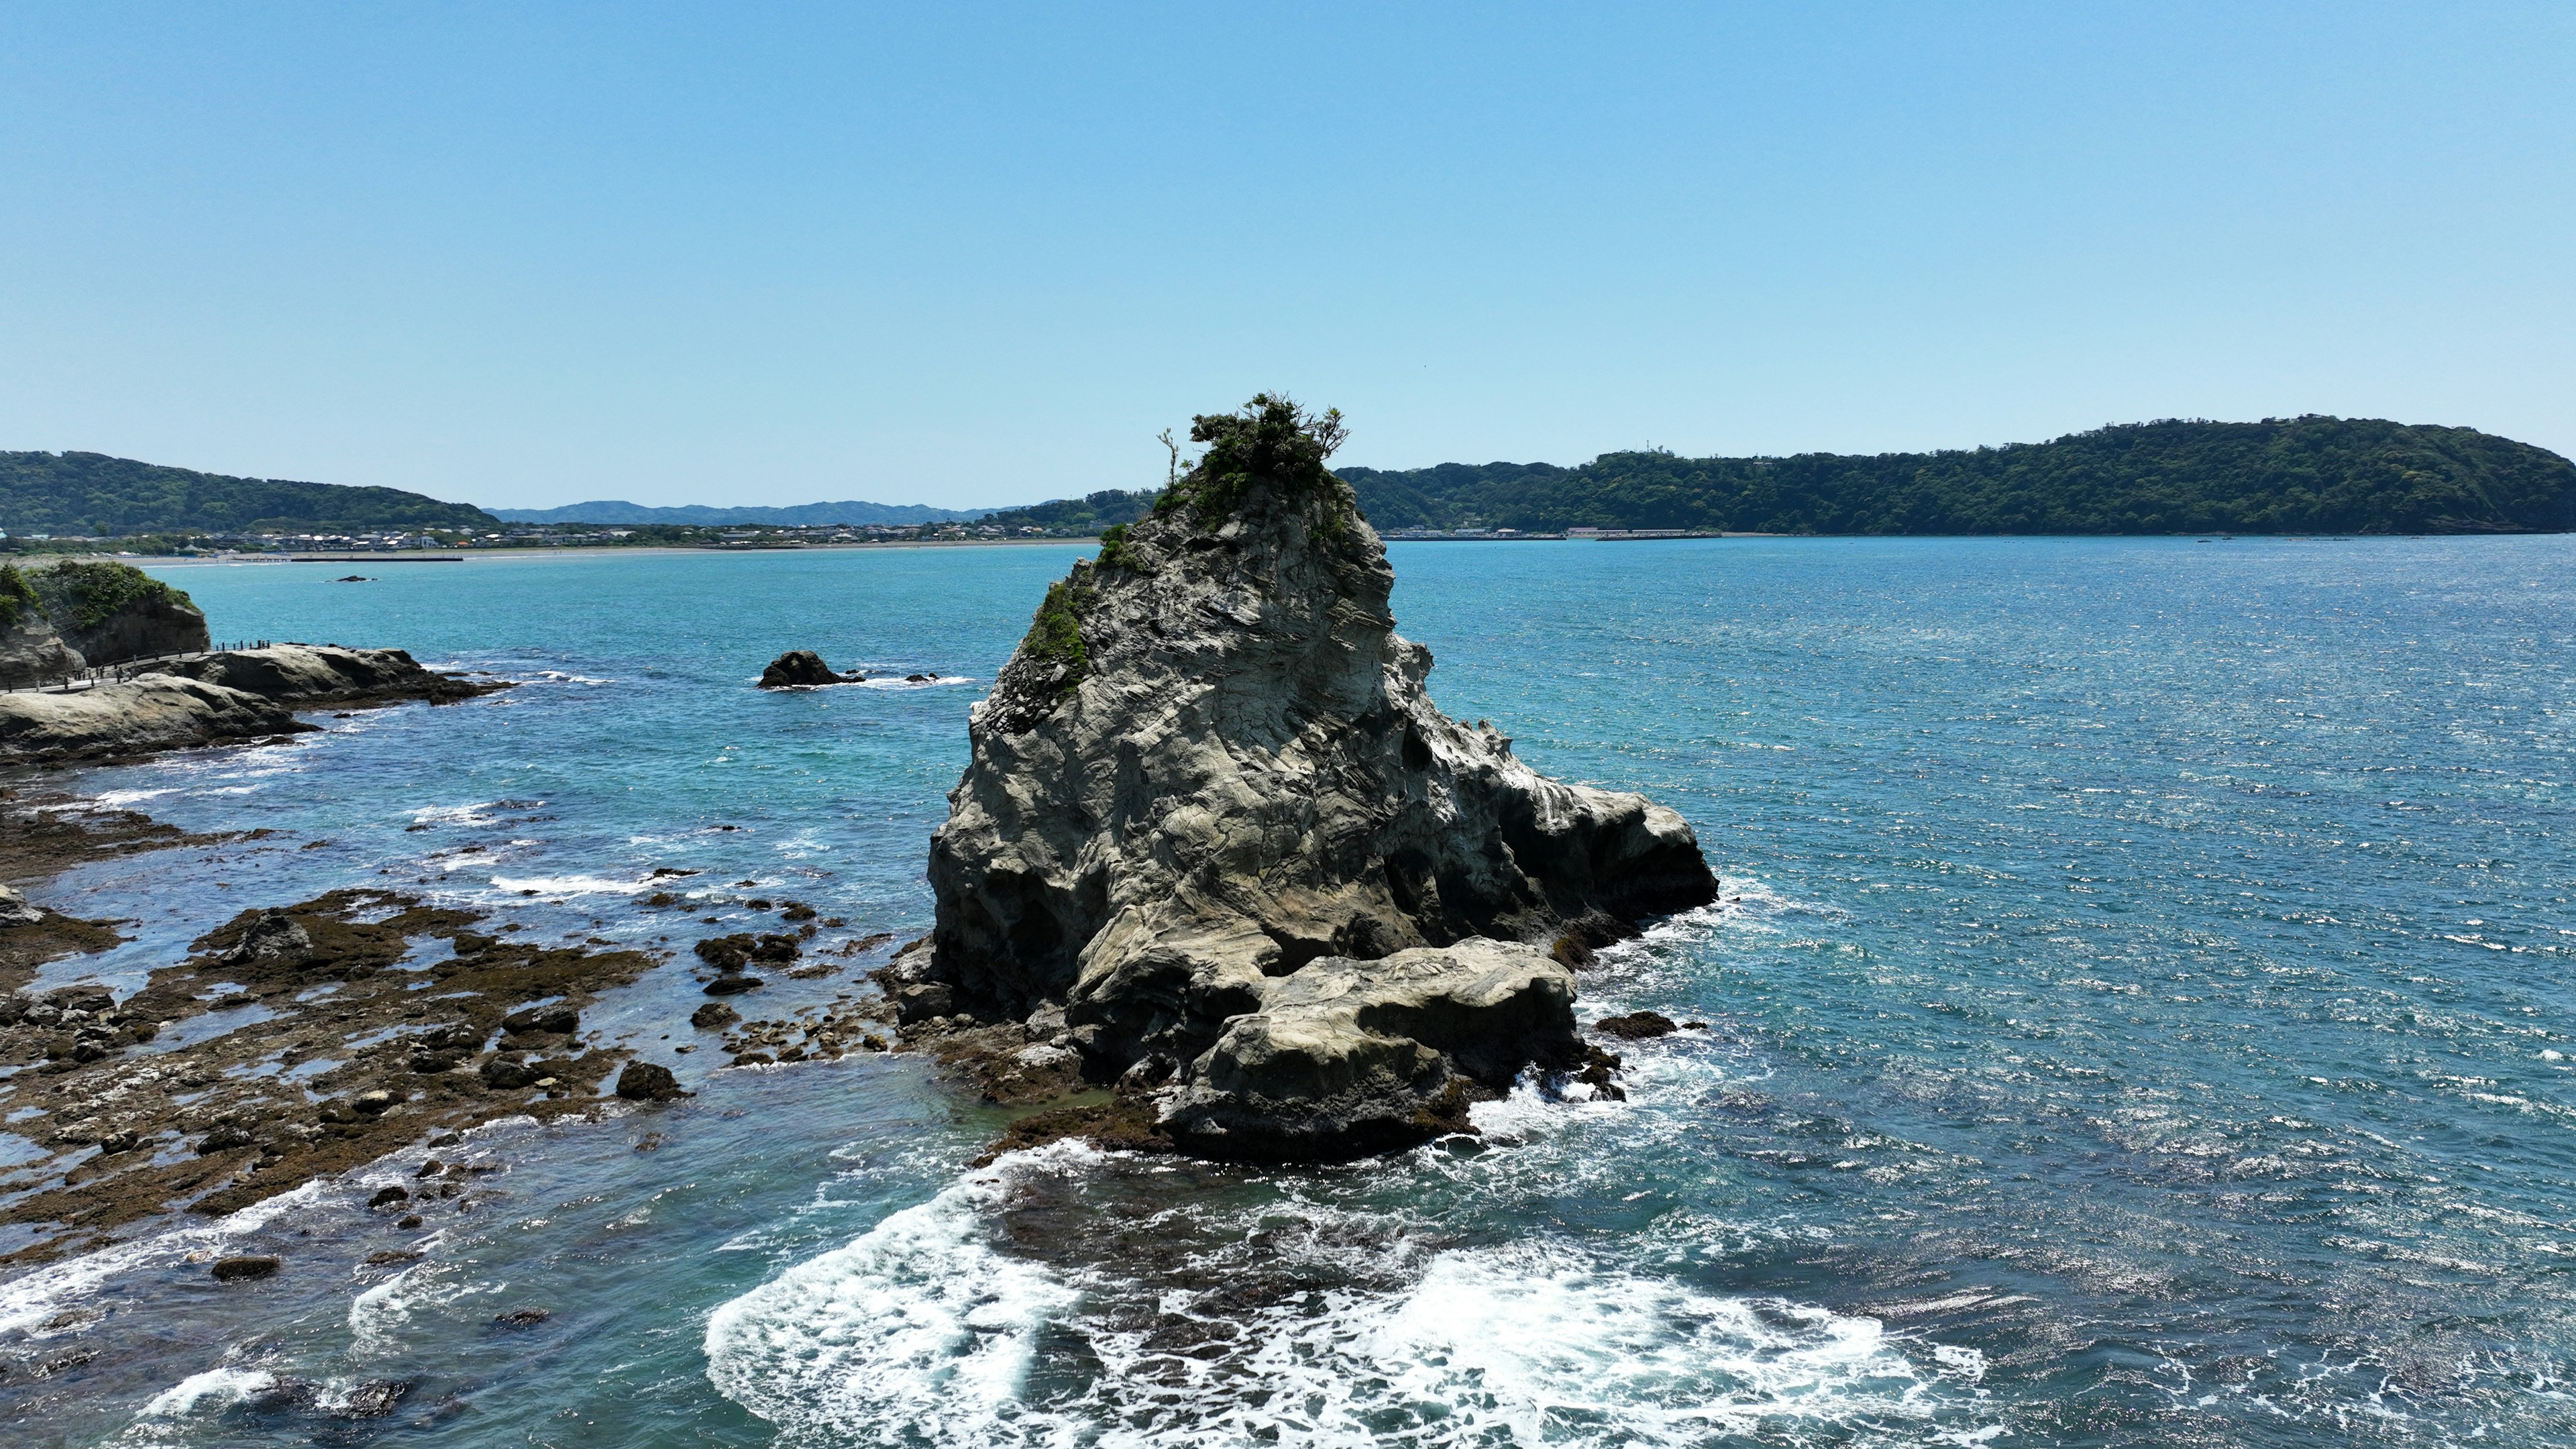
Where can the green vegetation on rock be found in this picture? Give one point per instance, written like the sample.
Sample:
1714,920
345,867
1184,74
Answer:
16,596
1055,635
1270,440
85,596
2285,475
1105,509
91,493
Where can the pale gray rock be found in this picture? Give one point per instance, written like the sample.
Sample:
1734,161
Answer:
1213,767
1349,1056
16,910
32,651
236,695
154,712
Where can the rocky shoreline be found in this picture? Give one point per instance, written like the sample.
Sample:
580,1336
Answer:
217,698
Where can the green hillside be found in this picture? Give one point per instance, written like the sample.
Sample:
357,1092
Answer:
74,493
1097,510
2286,475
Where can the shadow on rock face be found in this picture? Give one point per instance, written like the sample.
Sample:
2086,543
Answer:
1214,820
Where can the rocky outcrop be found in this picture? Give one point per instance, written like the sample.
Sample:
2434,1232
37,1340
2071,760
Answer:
239,694
803,669
31,648
113,612
1213,817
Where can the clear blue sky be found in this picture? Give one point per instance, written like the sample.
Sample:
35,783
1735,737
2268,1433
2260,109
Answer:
523,255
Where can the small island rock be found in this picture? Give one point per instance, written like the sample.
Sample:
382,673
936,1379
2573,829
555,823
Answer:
803,669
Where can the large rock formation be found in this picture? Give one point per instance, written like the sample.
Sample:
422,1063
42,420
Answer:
238,694
66,618
1214,820
113,612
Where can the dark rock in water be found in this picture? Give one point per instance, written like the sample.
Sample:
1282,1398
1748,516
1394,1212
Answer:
224,1138
504,1075
272,936
734,952
390,1197
242,1269
353,579
733,985
523,1317
375,1398
802,669
409,1220
712,1015
1635,1026
646,1082
922,1001
89,998
1211,768
921,679
559,1020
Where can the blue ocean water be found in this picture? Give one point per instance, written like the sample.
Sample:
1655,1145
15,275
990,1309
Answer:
2140,1014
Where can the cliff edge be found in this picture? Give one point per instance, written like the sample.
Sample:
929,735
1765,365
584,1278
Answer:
1216,838
59,620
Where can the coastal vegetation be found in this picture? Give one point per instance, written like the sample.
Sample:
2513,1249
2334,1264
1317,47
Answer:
92,493
17,596
82,596
2283,475
1105,509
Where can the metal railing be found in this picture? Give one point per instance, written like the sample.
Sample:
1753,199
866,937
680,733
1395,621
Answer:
124,669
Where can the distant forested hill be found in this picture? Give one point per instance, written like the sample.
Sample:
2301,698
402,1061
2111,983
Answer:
2288,475
1097,510
701,515
75,493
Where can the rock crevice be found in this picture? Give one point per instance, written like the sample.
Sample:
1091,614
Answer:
1213,816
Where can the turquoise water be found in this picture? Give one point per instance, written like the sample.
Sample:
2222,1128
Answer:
2140,1015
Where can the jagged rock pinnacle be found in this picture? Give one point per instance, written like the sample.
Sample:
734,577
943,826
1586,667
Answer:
1213,816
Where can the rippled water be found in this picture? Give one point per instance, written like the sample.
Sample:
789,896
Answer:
2139,1014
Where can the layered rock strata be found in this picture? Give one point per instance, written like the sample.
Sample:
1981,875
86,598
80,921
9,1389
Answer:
234,695
1216,838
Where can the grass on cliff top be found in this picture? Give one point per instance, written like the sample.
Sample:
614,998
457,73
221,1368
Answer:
83,596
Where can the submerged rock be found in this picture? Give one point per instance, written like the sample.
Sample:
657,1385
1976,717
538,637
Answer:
1213,814
803,669
236,1270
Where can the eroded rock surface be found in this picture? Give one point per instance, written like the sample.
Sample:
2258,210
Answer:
233,695
1213,817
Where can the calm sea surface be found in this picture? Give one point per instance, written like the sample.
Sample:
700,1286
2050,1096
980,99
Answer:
2140,1014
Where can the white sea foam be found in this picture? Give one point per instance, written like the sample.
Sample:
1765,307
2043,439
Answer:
474,814
921,1332
26,1303
572,885
213,1389
919,1322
